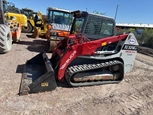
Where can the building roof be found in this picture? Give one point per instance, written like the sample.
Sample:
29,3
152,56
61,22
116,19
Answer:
135,25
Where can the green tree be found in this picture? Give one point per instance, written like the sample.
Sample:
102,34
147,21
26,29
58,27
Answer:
147,38
96,12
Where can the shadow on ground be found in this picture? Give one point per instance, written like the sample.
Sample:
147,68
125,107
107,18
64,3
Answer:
36,45
32,36
29,36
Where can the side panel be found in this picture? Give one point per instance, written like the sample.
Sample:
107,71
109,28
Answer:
22,19
127,53
32,22
86,48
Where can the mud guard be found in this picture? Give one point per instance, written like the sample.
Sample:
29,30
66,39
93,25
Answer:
38,75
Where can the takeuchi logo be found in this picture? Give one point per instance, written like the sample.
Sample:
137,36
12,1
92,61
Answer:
132,41
68,60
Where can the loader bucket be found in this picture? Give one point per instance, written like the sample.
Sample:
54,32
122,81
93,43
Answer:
38,75
53,42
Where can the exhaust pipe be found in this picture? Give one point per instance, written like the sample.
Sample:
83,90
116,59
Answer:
38,75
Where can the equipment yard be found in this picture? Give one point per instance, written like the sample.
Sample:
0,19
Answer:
133,95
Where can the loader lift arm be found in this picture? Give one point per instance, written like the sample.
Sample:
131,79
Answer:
80,48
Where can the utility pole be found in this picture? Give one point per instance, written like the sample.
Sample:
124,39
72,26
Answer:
116,11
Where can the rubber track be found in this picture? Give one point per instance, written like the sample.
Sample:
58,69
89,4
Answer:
87,67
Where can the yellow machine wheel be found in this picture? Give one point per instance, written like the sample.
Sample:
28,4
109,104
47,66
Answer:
27,29
35,33
6,39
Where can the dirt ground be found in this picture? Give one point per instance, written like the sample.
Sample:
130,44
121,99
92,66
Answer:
132,96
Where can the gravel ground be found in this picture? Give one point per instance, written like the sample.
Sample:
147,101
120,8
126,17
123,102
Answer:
132,96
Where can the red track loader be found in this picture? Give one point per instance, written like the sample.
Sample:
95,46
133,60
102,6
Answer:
91,55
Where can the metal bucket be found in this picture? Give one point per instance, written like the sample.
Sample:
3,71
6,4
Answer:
53,42
38,75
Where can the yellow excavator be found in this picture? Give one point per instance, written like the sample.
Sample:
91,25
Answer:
32,21
13,11
55,27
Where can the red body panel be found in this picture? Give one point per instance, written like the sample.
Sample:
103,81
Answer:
80,49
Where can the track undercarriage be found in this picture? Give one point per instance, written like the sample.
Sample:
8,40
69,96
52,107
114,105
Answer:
95,74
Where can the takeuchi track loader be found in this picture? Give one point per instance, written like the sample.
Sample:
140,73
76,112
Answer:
91,55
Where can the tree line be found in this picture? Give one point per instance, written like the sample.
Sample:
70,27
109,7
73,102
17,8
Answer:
144,36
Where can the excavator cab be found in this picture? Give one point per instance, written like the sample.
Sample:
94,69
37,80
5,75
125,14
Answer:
12,11
27,12
30,20
59,19
91,55
59,25
11,7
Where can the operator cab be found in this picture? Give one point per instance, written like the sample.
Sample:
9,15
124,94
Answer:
93,26
10,7
60,19
59,16
4,8
28,13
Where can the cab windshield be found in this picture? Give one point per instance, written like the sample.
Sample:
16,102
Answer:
60,17
10,7
28,13
77,25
